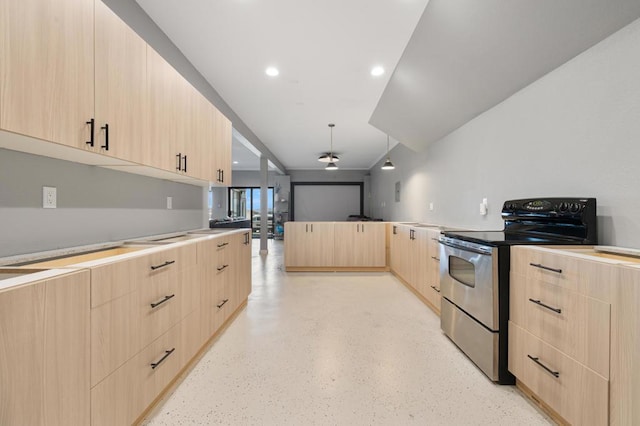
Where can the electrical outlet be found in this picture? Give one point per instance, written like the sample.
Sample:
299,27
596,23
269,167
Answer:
49,197
169,203
431,206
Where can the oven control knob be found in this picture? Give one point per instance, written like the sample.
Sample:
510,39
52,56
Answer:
574,207
563,207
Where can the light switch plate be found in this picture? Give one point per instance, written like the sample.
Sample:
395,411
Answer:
169,203
49,197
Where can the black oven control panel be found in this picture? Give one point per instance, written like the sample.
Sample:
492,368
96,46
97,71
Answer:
547,207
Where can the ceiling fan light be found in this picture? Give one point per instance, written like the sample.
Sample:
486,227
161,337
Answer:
328,158
331,166
388,165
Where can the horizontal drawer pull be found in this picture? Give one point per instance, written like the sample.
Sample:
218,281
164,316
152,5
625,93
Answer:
171,296
167,263
555,374
537,302
222,268
222,245
161,360
546,268
435,288
435,258
222,304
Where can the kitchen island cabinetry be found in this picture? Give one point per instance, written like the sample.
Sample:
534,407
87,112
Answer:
44,336
573,341
335,246
308,245
360,244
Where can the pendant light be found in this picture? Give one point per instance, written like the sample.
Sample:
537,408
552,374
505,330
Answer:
388,165
331,165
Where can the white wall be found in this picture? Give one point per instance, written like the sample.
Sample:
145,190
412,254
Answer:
94,204
574,132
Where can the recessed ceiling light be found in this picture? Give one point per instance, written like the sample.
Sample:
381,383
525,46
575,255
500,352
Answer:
377,71
235,162
272,71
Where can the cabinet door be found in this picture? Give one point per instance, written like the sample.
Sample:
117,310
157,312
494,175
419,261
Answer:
162,106
418,260
120,87
222,147
46,71
309,244
359,244
44,341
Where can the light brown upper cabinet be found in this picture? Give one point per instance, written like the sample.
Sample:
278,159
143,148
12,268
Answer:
72,72
163,98
120,88
222,149
47,69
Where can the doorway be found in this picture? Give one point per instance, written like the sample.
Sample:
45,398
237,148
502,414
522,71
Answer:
244,202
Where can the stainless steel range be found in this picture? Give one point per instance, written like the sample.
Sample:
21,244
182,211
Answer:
474,273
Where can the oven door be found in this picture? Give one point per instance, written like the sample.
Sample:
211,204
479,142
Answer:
469,279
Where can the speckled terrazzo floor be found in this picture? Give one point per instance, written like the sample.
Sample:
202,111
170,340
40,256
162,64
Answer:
337,349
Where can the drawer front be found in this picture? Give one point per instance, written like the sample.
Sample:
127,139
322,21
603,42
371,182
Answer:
587,277
115,335
121,397
545,266
576,325
119,278
578,394
160,305
213,304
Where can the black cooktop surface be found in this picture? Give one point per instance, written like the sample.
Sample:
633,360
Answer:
502,238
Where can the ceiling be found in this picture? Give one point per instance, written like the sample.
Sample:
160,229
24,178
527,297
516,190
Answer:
464,57
324,51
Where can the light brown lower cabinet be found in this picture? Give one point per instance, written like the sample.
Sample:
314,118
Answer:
44,359
173,310
573,333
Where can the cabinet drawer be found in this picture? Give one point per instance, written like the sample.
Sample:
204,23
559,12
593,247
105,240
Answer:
575,324
115,334
121,397
583,276
578,394
116,279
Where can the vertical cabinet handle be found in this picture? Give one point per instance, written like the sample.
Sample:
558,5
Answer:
222,268
222,175
222,304
92,127
395,230
312,227
357,228
106,137
179,163
161,360
185,164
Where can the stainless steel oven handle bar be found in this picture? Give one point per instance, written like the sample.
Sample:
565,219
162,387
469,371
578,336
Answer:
465,247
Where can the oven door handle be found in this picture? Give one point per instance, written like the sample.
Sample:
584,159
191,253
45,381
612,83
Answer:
455,246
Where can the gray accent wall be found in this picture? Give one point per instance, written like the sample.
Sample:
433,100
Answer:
94,205
574,132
